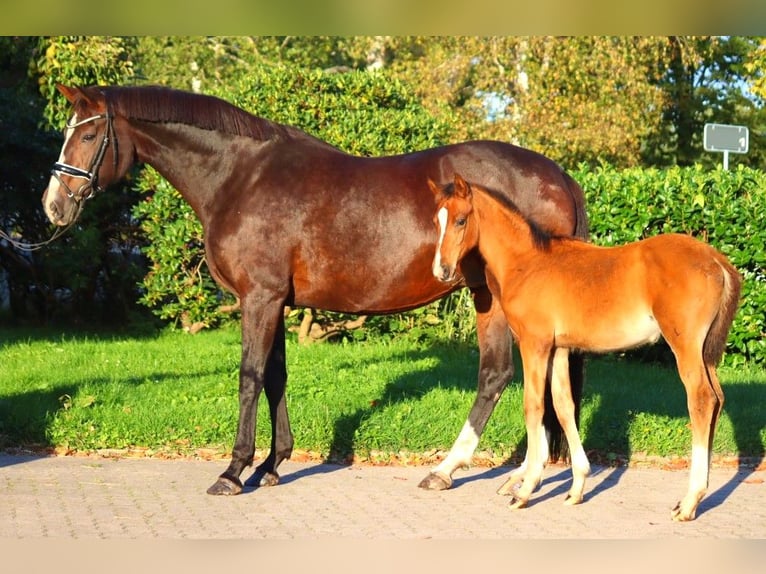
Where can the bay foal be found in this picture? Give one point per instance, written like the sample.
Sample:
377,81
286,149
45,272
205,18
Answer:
560,294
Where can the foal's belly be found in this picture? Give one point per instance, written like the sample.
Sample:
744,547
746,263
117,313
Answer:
610,331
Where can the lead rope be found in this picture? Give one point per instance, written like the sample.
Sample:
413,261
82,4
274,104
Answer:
35,246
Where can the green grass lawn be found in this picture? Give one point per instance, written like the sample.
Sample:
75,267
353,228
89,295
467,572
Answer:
173,393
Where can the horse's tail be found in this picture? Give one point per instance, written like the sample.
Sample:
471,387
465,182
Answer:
557,444
578,195
715,341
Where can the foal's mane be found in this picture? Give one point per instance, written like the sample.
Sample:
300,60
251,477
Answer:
541,239
161,104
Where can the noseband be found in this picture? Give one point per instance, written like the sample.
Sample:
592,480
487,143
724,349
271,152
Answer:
90,187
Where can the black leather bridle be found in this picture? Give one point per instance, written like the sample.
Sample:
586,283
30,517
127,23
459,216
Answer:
90,187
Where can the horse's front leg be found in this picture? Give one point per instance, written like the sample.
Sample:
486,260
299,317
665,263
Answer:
281,435
495,370
259,326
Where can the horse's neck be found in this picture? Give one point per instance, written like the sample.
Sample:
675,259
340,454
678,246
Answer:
501,230
196,162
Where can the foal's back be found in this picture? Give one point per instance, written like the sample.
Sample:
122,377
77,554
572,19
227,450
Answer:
610,298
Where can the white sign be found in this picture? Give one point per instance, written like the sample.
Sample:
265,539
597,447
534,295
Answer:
725,138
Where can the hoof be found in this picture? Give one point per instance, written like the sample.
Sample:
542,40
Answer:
509,487
225,486
436,481
572,500
677,516
269,479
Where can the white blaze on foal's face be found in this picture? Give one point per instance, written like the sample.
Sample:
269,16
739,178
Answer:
441,217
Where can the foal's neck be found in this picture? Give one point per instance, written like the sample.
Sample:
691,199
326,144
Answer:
504,230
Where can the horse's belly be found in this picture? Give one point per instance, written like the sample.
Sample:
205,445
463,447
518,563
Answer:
347,290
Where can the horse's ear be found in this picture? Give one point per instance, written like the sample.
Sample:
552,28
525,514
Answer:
71,94
462,189
79,97
435,189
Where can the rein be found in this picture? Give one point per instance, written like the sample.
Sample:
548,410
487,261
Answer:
40,244
86,191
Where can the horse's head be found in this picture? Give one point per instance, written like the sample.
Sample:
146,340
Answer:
81,170
458,232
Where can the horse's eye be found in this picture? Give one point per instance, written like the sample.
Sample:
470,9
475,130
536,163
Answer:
460,221
88,137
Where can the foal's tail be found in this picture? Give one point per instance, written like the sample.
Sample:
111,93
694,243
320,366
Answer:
715,341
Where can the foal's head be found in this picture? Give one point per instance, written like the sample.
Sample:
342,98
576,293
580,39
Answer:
457,228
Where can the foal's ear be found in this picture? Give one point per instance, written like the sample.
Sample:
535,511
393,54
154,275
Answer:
462,188
435,189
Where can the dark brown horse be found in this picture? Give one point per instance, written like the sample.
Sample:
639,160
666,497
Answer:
290,220
560,294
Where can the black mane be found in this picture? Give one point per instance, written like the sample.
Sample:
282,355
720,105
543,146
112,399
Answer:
161,104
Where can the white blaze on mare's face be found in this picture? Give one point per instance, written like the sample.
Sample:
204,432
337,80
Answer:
53,184
441,217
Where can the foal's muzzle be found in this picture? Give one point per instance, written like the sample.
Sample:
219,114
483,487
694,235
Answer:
443,273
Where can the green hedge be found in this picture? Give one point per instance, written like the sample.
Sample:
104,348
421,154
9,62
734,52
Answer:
724,208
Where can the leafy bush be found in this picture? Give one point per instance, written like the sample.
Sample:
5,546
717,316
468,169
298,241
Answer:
362,113
724,208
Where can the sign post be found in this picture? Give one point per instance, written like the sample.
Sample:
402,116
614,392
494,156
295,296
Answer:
725,138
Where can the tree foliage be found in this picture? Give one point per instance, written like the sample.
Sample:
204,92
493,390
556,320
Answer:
79,61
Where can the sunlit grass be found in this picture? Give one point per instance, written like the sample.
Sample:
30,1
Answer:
175,393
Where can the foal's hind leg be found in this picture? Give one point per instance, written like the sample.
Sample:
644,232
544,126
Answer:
565,410
705,401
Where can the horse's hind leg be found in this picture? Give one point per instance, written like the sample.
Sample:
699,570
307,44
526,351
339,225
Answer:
704,400
495,370
281,434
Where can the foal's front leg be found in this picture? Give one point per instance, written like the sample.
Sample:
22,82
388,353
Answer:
563,403
535,359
